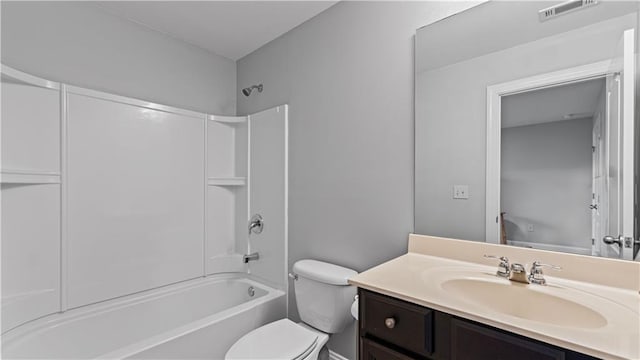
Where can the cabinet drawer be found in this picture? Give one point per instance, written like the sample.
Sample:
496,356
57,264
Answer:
374,351
400,323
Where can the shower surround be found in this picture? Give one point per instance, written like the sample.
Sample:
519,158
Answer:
106,198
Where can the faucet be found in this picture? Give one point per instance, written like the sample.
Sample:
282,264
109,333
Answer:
250,257
517,272
256,224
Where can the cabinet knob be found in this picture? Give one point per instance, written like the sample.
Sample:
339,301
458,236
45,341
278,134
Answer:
390,322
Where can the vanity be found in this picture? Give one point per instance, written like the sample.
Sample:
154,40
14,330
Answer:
443,300
396,329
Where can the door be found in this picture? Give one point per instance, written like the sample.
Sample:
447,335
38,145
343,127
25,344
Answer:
618,240
598,195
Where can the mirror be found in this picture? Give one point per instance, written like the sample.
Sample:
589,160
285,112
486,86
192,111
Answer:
525,126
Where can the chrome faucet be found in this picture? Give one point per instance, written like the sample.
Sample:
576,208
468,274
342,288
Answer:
256,224
517,272
503,268
536,276
250,257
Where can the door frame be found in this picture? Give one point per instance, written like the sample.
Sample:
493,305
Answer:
494,101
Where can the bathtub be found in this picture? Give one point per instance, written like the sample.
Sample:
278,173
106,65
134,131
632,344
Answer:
196,319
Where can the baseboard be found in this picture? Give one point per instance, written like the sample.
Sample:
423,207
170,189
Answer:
336,356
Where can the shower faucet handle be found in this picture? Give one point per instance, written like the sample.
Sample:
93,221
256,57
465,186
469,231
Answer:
256,224
504,270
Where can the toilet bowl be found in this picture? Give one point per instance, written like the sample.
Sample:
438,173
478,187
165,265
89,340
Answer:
324,298
282,339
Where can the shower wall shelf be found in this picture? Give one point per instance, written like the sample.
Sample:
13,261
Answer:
227,194
28,177
228,181
228,119
32,178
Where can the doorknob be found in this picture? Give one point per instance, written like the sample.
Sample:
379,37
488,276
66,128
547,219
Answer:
610,240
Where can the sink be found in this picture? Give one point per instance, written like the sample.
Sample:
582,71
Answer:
530,302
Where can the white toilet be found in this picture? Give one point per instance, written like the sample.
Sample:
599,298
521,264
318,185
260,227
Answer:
324,301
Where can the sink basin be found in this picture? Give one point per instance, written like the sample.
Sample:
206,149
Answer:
523,301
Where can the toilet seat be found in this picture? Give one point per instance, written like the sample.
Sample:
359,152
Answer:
282,339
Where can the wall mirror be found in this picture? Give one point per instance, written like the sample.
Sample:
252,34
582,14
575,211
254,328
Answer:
525,125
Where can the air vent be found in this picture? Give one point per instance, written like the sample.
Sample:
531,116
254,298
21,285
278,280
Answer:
564,8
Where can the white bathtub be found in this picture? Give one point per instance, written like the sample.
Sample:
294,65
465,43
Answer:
197,319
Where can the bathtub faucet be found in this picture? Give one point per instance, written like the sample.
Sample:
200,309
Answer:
250,257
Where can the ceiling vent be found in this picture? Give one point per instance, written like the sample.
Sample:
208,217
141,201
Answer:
564,8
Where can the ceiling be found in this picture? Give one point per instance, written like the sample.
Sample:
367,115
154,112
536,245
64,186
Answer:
573,101
232,29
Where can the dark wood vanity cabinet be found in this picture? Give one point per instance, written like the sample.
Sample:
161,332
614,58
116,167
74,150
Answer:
392,329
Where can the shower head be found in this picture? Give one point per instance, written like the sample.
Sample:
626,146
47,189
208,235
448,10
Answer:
247,91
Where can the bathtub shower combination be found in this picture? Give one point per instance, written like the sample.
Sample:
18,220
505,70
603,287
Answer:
124,224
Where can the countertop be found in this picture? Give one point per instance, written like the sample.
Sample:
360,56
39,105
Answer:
413,278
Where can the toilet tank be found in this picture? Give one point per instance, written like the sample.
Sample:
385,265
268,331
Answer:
323,295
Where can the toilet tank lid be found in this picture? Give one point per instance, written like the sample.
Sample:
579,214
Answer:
323,272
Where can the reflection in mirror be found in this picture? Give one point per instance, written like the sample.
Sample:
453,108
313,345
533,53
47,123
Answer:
536,119
548,168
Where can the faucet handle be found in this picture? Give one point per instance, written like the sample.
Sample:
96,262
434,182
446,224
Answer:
501,258
503,268
536,275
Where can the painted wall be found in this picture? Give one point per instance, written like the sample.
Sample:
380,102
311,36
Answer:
79,44
347,75
546,182
438,114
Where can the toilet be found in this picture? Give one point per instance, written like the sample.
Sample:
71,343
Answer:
324,300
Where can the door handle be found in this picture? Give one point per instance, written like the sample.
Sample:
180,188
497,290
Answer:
610,240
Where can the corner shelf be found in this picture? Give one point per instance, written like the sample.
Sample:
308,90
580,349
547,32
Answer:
227,181
228,119
28,177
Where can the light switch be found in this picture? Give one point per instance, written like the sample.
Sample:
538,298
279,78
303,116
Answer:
460,191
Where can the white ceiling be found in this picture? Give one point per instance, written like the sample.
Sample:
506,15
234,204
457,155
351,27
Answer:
578,100
232,29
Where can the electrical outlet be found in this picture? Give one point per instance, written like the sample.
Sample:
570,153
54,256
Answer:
461,191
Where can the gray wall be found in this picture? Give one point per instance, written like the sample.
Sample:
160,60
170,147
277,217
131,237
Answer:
546,182
79,44
451,121
348,77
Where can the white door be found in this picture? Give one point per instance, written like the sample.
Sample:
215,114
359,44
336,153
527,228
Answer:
618,239
598,198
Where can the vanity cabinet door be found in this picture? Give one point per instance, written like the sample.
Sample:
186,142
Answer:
370,350
471,341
